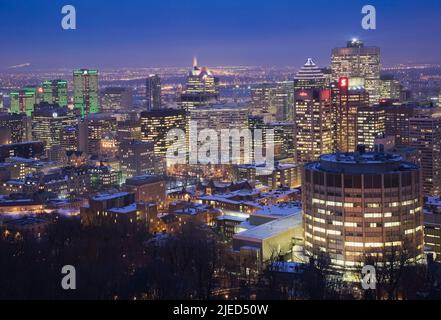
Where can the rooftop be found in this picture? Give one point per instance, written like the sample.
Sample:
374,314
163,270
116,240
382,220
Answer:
222,107
108,196
361,163
124,210
145,179
22,144
270,229
352,158
8,202
232,218
278,166
282,209
309,71
24,221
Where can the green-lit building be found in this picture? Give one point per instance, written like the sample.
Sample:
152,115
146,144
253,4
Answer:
23,100
105,177
86,91
55,92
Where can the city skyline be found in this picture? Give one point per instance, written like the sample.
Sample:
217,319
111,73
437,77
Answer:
251,33
294,161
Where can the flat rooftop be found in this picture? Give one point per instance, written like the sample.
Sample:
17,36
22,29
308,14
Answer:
17,202
109,196
124,210
24,221
282,209
356,158
221,107
270,229
278,166
231,218
145,179
361,163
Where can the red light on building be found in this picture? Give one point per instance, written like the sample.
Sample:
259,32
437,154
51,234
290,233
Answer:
325,95
344,83
303,94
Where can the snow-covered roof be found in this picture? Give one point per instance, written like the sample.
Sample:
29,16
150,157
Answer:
271,229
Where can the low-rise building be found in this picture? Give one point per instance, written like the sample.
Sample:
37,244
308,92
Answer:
249,201
117,210
229,225
148,188
200,212
17,228
32,149
55,183
283,175
270,241
15,206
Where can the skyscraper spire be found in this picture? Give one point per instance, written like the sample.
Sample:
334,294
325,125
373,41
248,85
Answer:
310,63
195,62
309,71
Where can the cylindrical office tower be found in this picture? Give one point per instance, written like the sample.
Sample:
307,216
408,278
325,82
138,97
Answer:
361,206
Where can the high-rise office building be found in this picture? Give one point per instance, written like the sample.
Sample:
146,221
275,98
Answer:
284,140
312,114
281,133
370,125
263,100
390,88
86,91
116,98
201,88
425,135
284,101
137,158
346,103
358,61
55,92
221,117
129,130
17,125
309,76
92,129
156,124
397,122
153,92
267,133
48,121
69,138
23,100
362,205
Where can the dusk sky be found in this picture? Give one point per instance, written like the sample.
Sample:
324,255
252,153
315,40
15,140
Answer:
145,33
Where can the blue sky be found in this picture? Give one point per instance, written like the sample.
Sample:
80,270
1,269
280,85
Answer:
136,33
